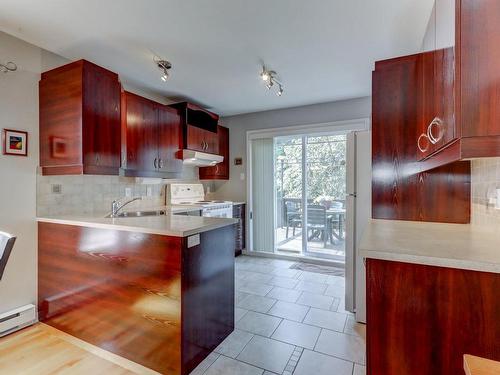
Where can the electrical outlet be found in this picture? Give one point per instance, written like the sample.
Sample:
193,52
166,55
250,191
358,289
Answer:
56,188
128,192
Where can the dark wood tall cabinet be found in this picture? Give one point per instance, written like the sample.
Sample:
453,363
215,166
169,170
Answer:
79,120
150,139
461,83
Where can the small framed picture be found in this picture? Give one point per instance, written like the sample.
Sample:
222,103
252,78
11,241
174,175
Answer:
15,142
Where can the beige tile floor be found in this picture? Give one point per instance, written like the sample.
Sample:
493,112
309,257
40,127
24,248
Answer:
288,322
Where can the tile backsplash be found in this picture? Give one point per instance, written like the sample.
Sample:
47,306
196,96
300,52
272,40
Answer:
74,195
485,180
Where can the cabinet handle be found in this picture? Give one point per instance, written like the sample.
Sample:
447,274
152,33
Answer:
216,168
420,147
438,123
206,145
155,163
97,159
160,163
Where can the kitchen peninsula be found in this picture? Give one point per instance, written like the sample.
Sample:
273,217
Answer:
157,290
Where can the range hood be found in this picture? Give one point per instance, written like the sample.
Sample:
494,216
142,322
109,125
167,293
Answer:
200,159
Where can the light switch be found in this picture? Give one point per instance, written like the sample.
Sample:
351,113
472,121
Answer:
242,176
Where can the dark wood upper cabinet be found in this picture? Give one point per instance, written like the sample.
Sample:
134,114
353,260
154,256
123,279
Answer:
462,119
199,139
199,128
221,170
79,120
400,191
196,116
151,138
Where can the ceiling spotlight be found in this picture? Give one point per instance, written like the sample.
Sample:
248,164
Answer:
280,91
271,78
164,67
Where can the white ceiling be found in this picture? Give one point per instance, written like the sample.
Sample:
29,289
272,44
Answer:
323,50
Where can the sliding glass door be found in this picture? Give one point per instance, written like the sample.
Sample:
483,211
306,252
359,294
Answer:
310,190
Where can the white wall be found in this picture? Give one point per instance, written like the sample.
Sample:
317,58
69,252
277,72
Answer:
19,110
235,188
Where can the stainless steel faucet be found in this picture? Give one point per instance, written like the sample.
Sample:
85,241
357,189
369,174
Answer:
116,206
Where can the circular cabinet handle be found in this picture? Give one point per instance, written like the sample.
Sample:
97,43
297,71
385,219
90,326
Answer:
156,163
216,168
423,136
97,159
203,145
160,163
437,123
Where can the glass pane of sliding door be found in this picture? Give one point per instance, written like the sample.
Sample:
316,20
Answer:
288,176
310,189
325,190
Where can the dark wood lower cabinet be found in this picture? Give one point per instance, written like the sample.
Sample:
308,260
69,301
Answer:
423,319
148,298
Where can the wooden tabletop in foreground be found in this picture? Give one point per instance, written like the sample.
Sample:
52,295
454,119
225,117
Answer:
480,366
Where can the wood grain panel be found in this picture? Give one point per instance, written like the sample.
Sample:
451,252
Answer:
400,190
101,119
423,319
207,312
60,102
117,290
480,67
221,170
142,133
148,298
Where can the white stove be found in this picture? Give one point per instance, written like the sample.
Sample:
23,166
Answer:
194,195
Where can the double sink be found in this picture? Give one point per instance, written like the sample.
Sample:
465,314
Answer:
139,213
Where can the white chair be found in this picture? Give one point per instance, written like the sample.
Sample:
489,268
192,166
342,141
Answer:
6,245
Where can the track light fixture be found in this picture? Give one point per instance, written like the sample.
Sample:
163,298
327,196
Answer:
270,77
8,67
164,67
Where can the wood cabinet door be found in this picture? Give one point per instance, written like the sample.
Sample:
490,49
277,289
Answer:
169,132
142,133
60,102
221,170
195,138
198,139
423,319
212,142
479,61
101,120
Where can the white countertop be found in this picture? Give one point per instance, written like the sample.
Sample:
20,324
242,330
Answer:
167,225
460,246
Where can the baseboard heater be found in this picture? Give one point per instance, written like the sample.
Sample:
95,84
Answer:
16,319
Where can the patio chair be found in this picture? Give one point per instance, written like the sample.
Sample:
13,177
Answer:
317,222
292,217
6,245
